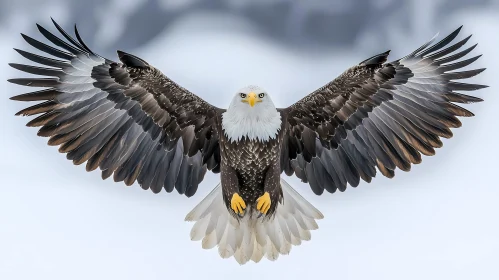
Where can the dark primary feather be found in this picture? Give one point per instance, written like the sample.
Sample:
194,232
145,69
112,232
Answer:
378,114
127,119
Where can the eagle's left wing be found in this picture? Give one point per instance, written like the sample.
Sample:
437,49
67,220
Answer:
377,114
128,119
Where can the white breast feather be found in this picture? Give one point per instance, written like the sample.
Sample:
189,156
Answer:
262,125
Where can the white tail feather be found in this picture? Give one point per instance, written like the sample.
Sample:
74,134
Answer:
253,237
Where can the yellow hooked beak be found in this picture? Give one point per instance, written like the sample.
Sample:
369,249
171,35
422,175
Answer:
252,99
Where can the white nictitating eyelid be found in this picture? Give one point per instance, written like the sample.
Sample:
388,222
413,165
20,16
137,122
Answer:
261,95
243,95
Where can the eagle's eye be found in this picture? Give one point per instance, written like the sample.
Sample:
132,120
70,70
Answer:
261,95
243,95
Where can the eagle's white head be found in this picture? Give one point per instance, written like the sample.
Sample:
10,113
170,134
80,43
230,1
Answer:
251,114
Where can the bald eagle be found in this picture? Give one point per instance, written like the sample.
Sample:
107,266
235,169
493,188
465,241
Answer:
135,124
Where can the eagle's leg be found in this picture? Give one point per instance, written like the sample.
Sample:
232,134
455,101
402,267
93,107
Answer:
263,203
230,185
237,204
267,203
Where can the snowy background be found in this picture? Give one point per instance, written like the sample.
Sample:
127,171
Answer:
439,221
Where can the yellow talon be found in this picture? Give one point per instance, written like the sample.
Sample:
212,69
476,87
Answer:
263,203
237,204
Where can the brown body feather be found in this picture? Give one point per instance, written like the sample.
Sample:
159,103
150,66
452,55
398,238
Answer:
251,168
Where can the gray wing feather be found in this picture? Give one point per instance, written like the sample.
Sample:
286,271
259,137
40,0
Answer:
378,114
127,119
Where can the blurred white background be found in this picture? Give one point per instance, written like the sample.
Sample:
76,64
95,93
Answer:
439,221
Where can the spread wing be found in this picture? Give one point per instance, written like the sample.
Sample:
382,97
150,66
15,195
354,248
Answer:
378,114
126,118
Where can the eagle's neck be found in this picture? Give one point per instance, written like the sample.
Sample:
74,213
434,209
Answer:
261,125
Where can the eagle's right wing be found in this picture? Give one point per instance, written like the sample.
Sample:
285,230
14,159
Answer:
126,118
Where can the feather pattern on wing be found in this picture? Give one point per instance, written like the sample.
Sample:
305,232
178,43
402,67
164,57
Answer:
128,119
378,114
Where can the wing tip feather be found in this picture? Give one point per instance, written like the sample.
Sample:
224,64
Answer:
131,60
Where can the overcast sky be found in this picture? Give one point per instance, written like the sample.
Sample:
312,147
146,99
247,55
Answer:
439,221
